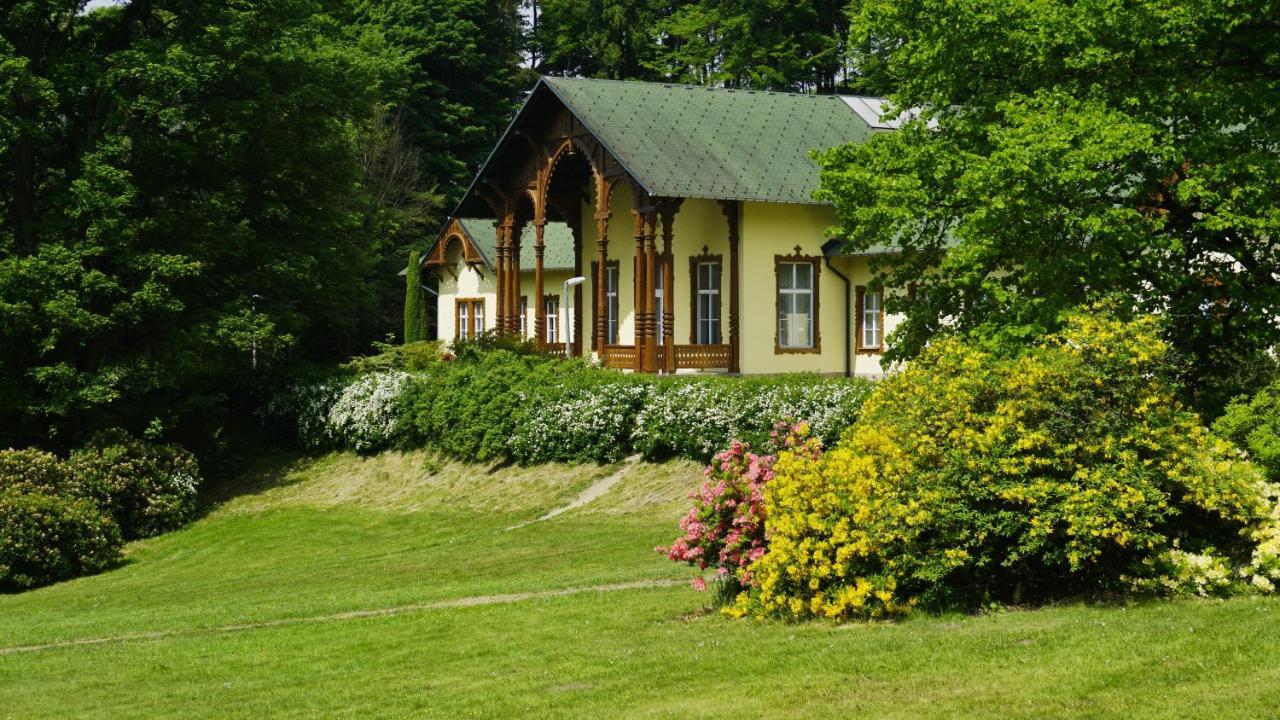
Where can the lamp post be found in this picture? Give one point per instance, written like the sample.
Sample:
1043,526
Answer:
568,316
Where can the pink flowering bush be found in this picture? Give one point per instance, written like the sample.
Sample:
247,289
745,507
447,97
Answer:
725,529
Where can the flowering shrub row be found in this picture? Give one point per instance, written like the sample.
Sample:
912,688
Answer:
970,478
60,519
490,403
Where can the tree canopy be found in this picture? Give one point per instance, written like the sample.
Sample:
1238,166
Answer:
1062,152
198,198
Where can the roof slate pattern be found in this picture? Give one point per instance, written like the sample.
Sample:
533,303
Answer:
557,244
696,142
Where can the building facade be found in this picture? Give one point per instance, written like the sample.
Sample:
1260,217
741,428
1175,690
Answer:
688,213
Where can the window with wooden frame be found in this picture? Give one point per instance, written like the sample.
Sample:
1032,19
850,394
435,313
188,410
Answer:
524,316
869,314
704,296
468,317
551,306
797,303
610,298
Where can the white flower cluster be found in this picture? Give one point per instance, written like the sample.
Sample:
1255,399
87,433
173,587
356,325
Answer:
1177,572
688,418
184,483
1264,567
581,424
361,414
365,413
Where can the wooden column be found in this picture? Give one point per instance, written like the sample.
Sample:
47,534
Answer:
501,274
639,294
602,267
540,309
575,226
651,292
513,284
668,210
732,212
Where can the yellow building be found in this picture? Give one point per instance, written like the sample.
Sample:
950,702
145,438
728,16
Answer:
688,214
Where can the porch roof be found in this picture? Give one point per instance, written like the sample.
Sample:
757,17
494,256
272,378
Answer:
557,244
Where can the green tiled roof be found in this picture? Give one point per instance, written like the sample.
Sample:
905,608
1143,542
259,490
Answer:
684,141
557,243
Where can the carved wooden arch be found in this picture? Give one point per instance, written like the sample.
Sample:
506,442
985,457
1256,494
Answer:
453,232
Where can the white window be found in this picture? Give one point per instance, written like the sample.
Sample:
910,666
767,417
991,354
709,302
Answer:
872,319
469,318
707,330
795,305
552,309
611,304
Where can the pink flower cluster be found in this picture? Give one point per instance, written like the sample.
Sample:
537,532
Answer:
725,528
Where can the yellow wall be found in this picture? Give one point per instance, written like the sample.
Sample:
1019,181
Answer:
767,230
469,284
552,284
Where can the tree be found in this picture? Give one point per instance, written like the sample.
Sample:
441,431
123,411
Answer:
415,311
765,44
460,80
1066,151
166,163
612,39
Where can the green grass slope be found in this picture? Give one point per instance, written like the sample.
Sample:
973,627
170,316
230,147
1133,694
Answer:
391,587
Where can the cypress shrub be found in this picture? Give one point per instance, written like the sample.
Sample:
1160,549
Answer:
415,312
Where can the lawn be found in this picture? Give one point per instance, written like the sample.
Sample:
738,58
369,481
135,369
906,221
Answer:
391,587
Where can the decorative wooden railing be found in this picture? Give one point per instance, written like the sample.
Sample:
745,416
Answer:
688,357
556,350
702,357
620,356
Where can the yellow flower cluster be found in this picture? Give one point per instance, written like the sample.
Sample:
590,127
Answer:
970,477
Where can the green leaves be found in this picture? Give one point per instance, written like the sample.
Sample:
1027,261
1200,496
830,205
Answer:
1071,151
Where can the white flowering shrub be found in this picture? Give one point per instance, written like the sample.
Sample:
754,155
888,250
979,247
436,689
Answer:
1178,572
1264,567
579,424
696,417
365,414
360,413
534,409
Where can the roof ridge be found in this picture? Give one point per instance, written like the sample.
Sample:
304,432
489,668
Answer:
709,88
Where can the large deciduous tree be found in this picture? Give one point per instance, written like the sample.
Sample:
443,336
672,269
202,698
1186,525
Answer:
1069,150
180,191
460,83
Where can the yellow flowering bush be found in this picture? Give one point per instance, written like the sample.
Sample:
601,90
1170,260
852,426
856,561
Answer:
972,478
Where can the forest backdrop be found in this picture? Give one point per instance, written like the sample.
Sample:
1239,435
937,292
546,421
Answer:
201,202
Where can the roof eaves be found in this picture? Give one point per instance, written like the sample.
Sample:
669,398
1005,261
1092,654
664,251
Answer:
489,158
550,84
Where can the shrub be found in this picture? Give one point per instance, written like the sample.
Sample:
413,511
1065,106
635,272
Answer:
693,417
725,529
1254,424
412,357
147,488
364,415
469,408
34,470
493,402
582,422
46,537
971,478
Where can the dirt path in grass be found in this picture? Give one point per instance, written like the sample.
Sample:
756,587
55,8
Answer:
594,492
465,602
